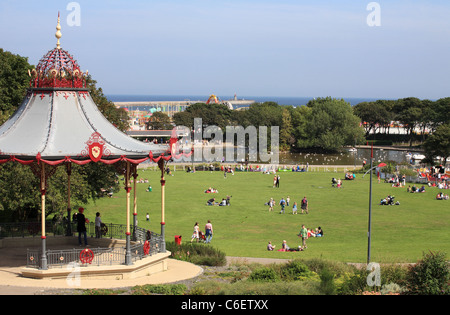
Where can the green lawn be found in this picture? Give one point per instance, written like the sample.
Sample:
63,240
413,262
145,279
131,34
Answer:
399,233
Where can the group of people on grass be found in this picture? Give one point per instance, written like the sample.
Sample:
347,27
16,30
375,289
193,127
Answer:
286,203
414,189
224,202
441,196
198,235
304,234
389,201
211,190
336,182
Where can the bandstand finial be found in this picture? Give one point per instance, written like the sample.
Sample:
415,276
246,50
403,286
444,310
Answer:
58,33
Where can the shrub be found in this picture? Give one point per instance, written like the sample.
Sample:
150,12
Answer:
256,288
199,254
264,274
295,270
430,276
165,289
327,285
353,283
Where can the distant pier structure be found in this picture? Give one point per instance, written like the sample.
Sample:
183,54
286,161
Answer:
172,107
140,112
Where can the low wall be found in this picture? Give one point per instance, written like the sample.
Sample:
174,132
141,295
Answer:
141,268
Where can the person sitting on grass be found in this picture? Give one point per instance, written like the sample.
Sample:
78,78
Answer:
211,202
270,247
285,246
319,232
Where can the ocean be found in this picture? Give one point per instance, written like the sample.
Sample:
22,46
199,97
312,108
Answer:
281,100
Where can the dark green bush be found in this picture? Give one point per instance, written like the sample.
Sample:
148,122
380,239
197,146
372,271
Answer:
327,285
430,276
197,253
354,283
264,274
295,270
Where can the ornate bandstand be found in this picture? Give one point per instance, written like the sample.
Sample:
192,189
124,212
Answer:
58,124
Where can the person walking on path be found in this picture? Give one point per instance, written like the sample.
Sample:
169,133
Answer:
81,226
304,235
208,232
98,225
304,205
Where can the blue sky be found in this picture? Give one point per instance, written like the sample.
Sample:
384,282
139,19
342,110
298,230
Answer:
305,48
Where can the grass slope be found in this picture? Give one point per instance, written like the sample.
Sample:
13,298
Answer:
399,233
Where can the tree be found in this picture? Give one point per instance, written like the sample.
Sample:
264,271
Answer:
20,198
14,80
286,130
159,121
331,125
409,112
374,115
183,119
438,144
441,112
299,122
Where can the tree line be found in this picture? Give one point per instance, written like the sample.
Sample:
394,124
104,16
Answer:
328,124
412,113
324,123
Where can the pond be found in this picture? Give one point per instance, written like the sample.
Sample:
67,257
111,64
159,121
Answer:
345,157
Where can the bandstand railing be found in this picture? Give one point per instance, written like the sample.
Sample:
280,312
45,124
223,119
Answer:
145,243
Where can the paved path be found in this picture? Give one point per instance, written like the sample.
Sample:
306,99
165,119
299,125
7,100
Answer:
12,283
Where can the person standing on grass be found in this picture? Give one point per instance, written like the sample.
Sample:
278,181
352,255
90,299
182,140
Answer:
282,204
208,232
195,235
294,208
304,205
304,235
271,204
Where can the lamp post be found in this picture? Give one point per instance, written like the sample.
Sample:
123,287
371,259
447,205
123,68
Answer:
369,233
162,247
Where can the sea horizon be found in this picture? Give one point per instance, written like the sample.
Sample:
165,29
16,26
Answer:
281,100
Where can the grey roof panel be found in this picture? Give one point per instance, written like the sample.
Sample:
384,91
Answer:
60,123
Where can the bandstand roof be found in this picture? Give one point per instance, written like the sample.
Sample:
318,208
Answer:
58,121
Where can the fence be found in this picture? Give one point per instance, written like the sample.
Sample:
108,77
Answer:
145,243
